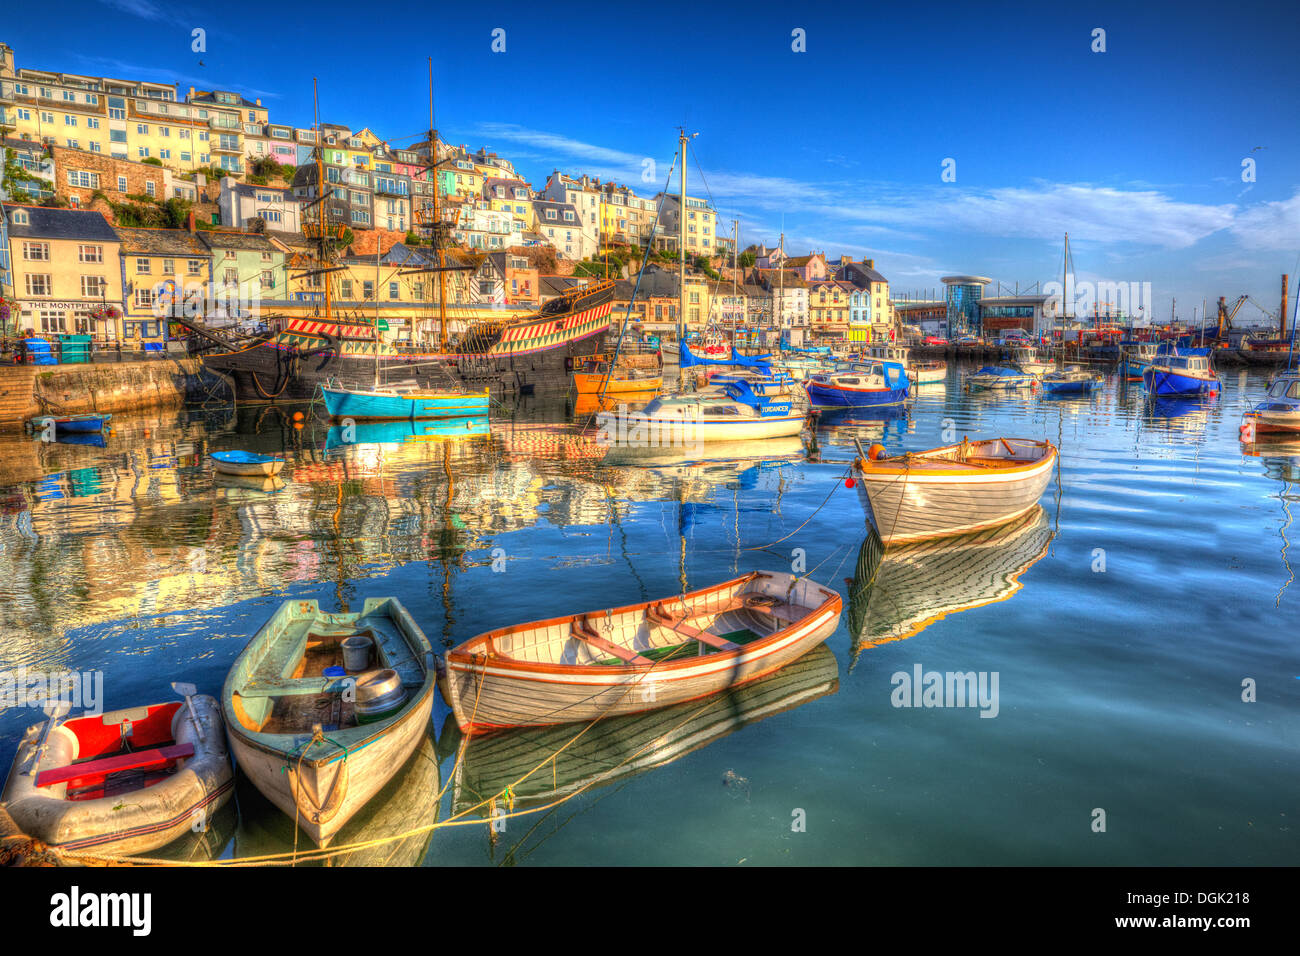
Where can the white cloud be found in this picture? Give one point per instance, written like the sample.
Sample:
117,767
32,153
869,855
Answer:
1269,225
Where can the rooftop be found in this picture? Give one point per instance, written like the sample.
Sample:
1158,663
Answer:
45,222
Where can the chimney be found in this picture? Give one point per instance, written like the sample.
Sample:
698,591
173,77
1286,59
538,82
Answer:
191,219
191,96
871,263
258,101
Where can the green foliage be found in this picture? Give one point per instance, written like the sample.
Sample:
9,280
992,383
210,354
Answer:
747,259
412,239
15,176
702,264
152,161
256,180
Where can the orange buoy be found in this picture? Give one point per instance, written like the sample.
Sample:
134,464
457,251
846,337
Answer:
297,426
848,482
876,451
297,416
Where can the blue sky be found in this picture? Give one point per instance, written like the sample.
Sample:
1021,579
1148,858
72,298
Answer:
1136,152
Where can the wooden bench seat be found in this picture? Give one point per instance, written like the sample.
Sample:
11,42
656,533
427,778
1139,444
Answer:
293,686
96,770
582,631
677,625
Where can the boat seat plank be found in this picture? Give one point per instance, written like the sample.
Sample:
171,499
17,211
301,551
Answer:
679,626
285,653
583,632
140,760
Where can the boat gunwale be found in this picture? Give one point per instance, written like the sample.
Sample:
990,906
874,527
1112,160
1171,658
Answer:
891,469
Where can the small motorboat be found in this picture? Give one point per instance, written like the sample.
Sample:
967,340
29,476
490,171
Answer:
246,463
776,385
1071,380
859,385
953,489
1027,360
322,709
1280,409
639,657
681,421
402,404
52,425
1180,371
927,373
123,782
1000,378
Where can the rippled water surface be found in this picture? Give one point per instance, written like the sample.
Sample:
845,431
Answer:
1121,622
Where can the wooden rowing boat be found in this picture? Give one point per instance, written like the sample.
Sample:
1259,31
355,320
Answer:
319,745
123,782
639,657
954,489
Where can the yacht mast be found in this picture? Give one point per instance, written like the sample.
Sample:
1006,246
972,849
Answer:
681,245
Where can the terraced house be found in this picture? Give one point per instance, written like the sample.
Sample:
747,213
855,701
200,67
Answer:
701,224
64,269
250,263
158,266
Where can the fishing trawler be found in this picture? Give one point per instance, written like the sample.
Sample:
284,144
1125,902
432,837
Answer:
510,356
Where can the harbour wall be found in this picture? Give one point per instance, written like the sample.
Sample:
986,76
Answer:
29,390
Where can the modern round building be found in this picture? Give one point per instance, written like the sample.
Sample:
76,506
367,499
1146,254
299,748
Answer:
963,295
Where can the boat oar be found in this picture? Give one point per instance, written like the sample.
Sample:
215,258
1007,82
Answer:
54,710
188,691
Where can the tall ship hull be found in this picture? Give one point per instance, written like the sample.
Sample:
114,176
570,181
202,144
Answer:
533,354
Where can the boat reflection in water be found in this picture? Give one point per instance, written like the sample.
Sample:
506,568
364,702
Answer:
587,404
709,458
236,483
402,432
899,592
408,802
841,426
1280,457
617,748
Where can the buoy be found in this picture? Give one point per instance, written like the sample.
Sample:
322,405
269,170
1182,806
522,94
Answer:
297,416
298,426
1247,434
876,451
848,482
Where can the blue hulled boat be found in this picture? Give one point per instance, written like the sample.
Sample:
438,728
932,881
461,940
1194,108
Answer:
1134,358
859,385
1071,381
1180,371
86,424
998,377
402,432
392,404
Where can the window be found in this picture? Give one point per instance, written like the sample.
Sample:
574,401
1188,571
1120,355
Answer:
393,290
272,215
90,253
164,154
82,179
149,188
186,157
183,133
47,117
25,114
117,136
94,148
367,289
121,184
53,321
69,120
268,279
72,144
485,287
203,136
144,298
20,217
37,251
142,129
143,267
568,215
347,288
92,122
231,277
38,284
92,287
169,266
143,151
165,130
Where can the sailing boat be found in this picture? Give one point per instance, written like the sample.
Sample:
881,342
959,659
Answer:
519,356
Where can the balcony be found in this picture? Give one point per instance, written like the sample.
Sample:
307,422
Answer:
233,148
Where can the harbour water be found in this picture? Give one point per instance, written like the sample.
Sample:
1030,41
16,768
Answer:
1124,623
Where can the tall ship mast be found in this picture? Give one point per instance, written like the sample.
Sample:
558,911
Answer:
530,354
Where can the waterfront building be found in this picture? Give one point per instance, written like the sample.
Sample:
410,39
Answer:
828,307
521,279
246,263
584,195
65,271
870,316
765,258
1025,312
810,268
963,297
511,196
230,118
625,217
158,262
789,295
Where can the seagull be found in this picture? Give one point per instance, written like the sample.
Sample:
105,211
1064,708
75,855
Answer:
1259,147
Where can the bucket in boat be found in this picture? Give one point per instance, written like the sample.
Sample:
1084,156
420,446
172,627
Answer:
379,695
356,652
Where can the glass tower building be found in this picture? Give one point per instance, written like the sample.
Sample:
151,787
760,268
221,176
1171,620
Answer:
963,297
